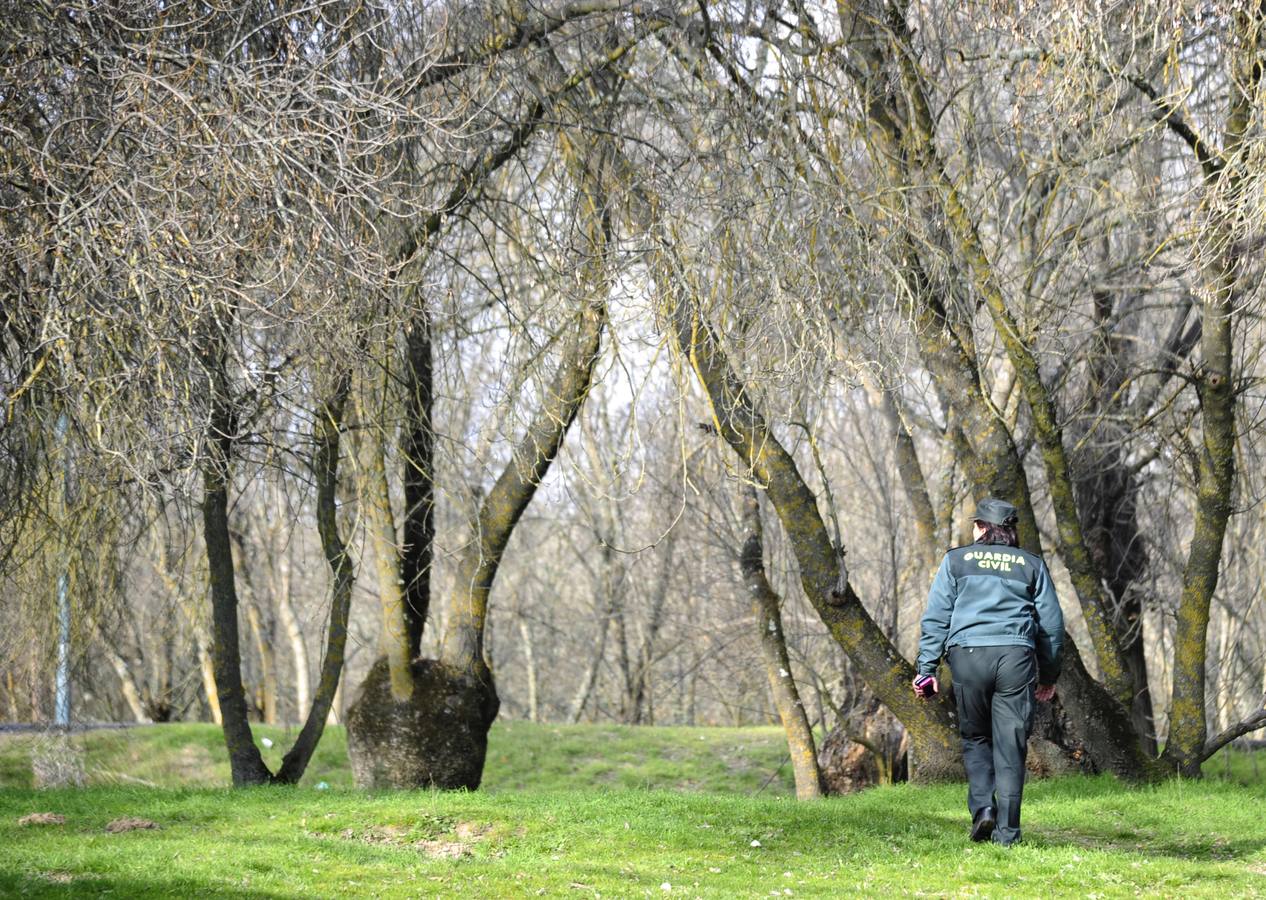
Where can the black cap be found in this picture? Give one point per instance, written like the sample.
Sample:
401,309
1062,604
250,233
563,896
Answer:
996,512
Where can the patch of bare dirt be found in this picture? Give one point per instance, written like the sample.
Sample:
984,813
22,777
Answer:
130,823
443,849
377,834
57,877
471,831
43,818
463,836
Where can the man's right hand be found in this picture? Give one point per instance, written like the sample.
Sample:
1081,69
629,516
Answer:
1044,693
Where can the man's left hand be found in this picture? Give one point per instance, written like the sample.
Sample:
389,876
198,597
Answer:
1045,692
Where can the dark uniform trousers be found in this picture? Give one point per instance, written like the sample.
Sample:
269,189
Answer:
994,688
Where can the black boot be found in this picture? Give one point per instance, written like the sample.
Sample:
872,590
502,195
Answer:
982,824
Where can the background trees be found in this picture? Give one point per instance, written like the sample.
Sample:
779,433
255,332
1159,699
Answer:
299,279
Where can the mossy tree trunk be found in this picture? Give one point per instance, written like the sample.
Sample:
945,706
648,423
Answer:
935,749
773,644
1224,182
501,509
374,492
902,127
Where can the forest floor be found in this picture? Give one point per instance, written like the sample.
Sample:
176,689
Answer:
602,810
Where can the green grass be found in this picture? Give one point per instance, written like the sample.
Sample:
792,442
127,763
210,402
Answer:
592,810
521,755
1084,837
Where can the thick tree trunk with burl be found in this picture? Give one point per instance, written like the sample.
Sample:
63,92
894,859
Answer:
859,755
437,734
935,752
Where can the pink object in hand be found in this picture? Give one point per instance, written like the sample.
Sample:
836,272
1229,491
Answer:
925,686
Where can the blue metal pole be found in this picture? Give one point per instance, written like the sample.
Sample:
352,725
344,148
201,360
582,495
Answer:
61,713
61,706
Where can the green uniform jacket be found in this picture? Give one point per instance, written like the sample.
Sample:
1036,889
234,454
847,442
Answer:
990,595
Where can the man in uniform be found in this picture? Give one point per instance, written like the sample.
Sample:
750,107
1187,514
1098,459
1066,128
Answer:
993,607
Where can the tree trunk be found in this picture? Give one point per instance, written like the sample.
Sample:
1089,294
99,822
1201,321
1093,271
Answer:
395,744
11,696
1188,729
298,651
202,640
1215,384
417,448
912,479
245,762
326,431
286,616
127,684
936,754
207,669
643,700
381,529
773,644
589,680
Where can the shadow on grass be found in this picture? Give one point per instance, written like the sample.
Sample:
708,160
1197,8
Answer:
1111,830
72,884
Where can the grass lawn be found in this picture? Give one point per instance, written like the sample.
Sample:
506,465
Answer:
521,756
619,812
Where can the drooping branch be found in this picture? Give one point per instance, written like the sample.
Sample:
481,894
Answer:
526,30
490,161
